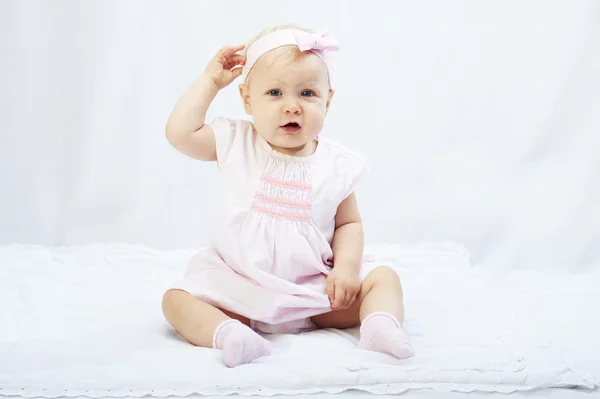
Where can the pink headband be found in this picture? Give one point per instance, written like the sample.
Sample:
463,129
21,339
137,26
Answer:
318,43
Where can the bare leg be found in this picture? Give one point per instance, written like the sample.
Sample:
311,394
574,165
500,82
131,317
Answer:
193,319
381,291
384,294
202,324
379,309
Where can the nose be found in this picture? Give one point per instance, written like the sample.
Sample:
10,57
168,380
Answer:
292,107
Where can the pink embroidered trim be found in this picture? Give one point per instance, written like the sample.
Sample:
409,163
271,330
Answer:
286,184
282,215
278,201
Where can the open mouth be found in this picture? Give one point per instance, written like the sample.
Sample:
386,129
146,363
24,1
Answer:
291,127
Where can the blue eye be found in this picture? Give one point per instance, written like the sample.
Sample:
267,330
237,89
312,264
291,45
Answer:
274,92
307,93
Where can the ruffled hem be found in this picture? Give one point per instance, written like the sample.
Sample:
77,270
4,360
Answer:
246,390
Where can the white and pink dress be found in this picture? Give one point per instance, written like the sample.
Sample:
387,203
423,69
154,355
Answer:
271,250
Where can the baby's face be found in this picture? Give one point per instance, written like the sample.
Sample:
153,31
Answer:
288,97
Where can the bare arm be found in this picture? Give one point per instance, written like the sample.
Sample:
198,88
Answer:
348,238
185,128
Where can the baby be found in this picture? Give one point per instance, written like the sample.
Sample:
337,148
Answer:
287,251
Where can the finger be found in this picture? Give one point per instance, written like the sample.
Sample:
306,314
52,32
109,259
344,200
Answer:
350,297
343,301
352,300
228,50
232,62
347,300
236,72
339,298
330,290
237,59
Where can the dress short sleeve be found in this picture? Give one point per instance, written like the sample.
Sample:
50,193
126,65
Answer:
225,136
348,169
355,168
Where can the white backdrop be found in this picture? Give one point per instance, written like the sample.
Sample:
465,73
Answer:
481,120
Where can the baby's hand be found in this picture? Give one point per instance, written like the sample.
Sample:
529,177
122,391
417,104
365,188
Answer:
222,67
343,287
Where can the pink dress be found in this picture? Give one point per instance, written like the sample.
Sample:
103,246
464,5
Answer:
271,250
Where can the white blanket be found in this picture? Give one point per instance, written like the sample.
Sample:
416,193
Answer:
87,321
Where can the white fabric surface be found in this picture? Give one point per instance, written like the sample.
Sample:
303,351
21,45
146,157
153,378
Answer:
551,393
87,321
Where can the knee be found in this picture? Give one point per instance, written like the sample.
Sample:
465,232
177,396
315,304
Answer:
383,276
172,298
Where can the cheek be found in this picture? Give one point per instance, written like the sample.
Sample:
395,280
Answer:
317,111
265,116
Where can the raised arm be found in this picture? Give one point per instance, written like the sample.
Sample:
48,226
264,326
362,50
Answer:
185,129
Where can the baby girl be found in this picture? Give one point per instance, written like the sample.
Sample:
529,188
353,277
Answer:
287,250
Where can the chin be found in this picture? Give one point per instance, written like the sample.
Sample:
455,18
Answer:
295,142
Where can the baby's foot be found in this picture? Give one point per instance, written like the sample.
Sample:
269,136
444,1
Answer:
382,332
239,343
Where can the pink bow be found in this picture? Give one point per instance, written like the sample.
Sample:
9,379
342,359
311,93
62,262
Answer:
316,41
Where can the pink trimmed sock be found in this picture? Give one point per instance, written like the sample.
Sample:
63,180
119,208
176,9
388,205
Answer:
239,343
382,332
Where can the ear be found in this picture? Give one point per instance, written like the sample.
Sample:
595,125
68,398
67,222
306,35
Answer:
329,97
245,94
